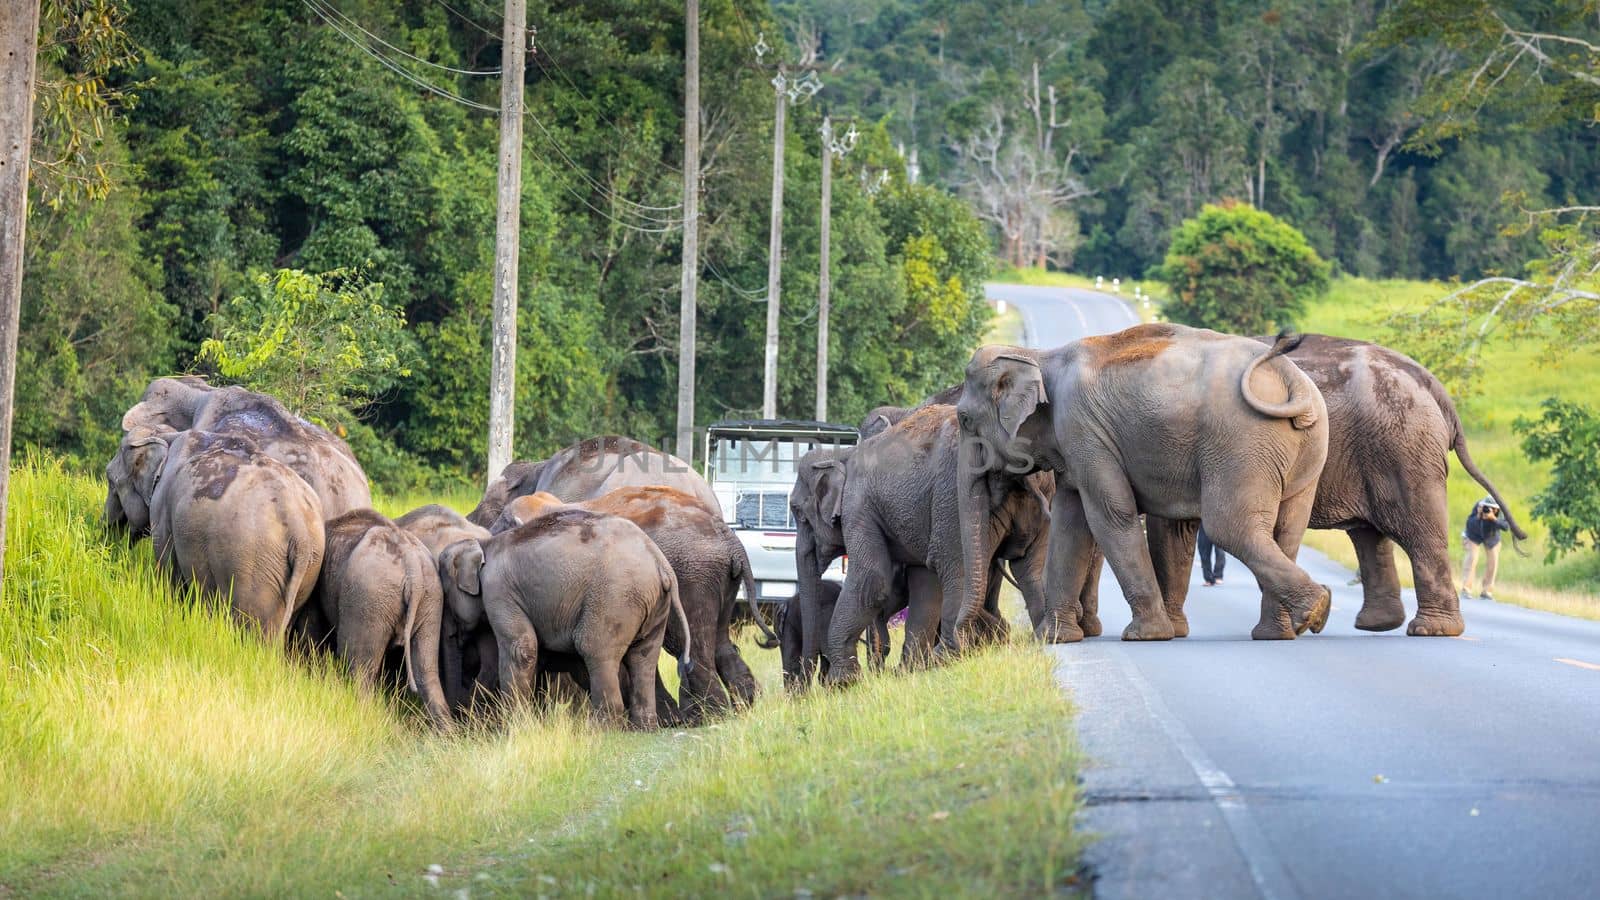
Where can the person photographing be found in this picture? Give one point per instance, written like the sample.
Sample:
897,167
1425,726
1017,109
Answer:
1482,532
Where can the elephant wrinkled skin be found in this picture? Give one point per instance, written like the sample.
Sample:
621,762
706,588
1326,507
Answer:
711,566
325,462
593,468
572,583
223,515
380,588
1178,423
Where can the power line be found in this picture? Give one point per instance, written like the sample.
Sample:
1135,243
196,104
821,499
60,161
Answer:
400,50
395,67
561,72
604,191
465,18
597,210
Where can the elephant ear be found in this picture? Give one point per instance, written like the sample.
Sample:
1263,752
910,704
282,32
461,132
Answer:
1021,390
830,489
464,563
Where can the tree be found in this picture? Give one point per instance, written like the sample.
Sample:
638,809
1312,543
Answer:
1568,435
1238,269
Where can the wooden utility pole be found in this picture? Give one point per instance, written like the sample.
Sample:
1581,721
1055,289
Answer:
769,382
19,37
825,278
508,221
687,313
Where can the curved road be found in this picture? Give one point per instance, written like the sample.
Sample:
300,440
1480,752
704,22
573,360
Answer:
1344,764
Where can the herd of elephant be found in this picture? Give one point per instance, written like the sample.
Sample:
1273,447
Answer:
1117,447
575,572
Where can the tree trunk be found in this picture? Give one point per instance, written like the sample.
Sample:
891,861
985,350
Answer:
19,35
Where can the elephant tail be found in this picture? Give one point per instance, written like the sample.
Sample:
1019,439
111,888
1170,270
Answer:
1458,443
669,586
742,572
305,565
1005,572
1301,407
409,599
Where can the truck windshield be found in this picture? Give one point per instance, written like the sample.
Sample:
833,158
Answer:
752,477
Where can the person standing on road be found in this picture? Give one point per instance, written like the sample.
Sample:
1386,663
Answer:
1209,569
1484,525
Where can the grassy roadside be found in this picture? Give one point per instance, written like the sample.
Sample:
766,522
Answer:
150,749
1518,382
1006,328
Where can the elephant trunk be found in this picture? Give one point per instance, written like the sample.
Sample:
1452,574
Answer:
809,572
972,508
851,619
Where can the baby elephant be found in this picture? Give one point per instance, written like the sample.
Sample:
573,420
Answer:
379,589
577,583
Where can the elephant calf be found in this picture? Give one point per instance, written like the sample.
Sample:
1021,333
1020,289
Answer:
577,583
222,515
711,566
378,589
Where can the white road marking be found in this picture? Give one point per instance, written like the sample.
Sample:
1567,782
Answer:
1578,662
1271,879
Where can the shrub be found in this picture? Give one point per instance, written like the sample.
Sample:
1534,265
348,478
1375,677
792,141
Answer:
1238,269
1568,434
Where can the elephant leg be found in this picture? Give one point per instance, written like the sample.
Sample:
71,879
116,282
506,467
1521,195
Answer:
925,599
487,682
668,713
790,640
1381,608
362,646
871,573
1113,518
734,673
701,694
989,626
642,671
1172,553
605,689
517,651
1424,536
1071,546
1089,595
1290,601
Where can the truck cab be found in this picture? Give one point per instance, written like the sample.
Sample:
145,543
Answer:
751,466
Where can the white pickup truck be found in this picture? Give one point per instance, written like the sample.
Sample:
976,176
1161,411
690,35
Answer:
751,468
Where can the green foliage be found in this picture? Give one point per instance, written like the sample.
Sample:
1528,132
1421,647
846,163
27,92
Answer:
323,344
83,46
1238,269
1568,436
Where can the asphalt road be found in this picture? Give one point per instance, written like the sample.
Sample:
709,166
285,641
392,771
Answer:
1344,764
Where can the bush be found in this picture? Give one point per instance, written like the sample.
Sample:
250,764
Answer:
1568,434
1238,269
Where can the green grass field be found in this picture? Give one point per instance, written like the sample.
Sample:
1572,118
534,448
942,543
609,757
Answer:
150,748
1518,381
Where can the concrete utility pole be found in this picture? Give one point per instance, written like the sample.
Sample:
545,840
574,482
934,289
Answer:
508,221
19,37
825,277
769,380
687,314
831,147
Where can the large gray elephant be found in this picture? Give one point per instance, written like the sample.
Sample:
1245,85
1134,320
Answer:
1175,422
593,468
380,588
896,511
468,665
578,584
1391,427
323,460
711,566
222,515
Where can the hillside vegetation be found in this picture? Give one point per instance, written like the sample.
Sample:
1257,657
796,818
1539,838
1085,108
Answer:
150,748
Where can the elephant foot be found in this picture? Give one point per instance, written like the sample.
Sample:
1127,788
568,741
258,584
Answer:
842,674
1149,628
1315,617
1274,629
1434,624
1058,626
1091,625
1381,615
1180,624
